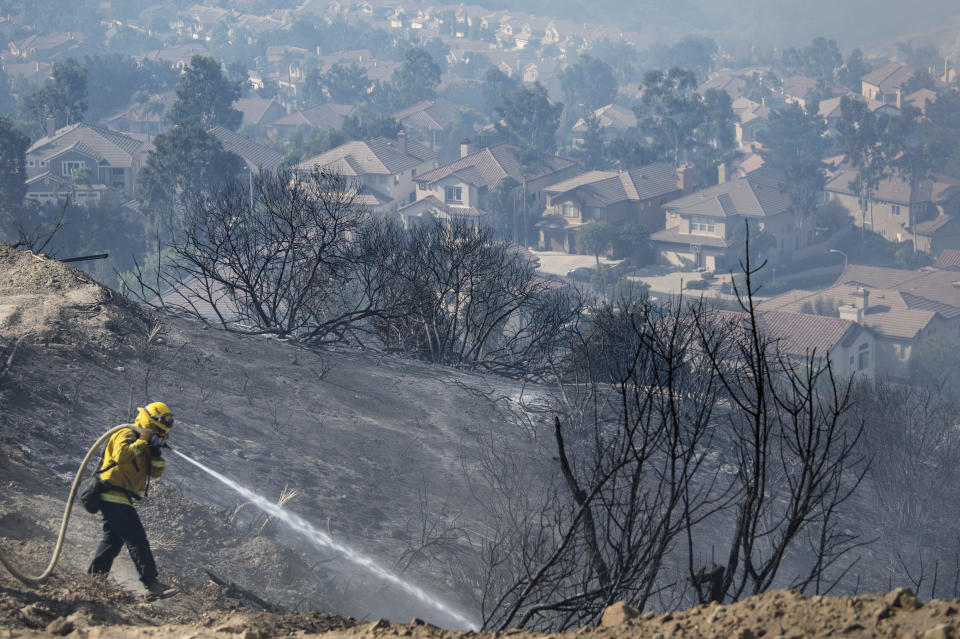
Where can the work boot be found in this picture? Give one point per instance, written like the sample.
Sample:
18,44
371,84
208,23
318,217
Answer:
160,590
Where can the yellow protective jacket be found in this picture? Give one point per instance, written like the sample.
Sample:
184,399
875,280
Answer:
128,461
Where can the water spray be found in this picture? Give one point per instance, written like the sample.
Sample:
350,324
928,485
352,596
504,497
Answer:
323,540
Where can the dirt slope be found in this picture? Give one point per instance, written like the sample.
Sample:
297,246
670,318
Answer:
368,442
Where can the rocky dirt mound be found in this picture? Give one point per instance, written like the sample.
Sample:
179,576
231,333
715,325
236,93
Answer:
55,304
88,608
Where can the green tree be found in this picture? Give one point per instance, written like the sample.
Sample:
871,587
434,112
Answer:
496,86
345,83
793,144
503,204
854,68
206,96
588,85
822,59
682,124
185,162
590,154
62,97
595,238
13,171
863,135
8,102
528,118
113,79
362,126
417,78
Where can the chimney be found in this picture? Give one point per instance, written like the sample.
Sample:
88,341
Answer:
899,98
851,313
464,147
722,173
682,178
866,300
402,141
51,126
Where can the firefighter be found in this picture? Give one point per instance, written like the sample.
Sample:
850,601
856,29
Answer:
131,456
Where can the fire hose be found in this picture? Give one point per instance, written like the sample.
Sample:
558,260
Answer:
77,480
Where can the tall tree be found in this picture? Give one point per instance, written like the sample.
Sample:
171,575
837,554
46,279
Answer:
185,162
417,78
112,80
496,86
528,118
854,68
794,145
590,153
588,85
684,125
62,97
345,83
206,96
863,135
822,59
13,172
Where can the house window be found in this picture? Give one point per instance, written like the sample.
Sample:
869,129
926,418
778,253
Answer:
702,225
453,194
115,172
31,163
863,360
67,167
895,209
569,210
396,180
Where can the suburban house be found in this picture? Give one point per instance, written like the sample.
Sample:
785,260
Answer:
259,111
146,118
614,120
754,119
255,156
850,346
44,46
636,196
80,163
928,213
458,186
948,260
384,168
884,84
903,308
322,116
427,120
702,229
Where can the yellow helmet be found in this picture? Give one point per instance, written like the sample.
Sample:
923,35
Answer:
159,415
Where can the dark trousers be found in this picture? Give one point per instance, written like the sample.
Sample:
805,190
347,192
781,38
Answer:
121,525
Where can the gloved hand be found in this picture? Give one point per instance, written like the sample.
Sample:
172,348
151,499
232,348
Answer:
155,444
154,441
